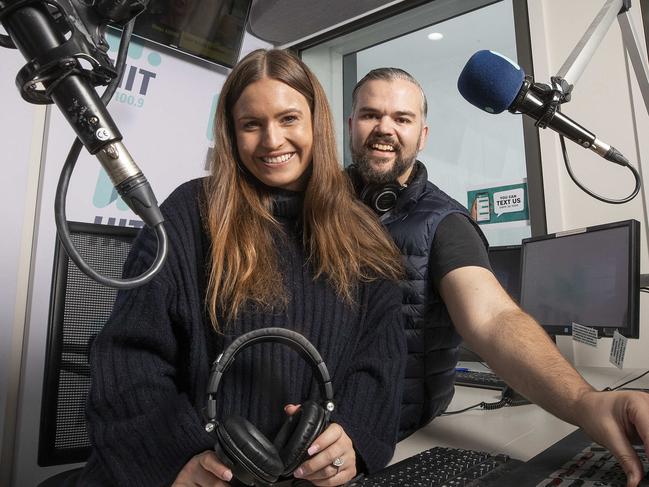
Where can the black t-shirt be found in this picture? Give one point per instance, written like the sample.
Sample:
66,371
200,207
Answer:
456,244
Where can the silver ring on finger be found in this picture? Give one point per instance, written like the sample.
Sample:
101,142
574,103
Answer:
337,463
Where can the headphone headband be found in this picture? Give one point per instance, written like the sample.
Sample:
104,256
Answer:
274,334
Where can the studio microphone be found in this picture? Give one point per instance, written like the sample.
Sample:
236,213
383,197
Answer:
494,83
66,50
54,68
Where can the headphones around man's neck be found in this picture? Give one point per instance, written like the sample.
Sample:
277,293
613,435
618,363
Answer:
381,198
252,458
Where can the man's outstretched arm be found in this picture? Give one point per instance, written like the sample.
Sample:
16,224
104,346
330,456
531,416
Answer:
521,352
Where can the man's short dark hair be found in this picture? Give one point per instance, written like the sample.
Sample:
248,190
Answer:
390,74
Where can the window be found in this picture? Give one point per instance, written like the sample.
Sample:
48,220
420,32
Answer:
468,151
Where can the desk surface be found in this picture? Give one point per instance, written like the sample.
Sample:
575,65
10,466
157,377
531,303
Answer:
521,432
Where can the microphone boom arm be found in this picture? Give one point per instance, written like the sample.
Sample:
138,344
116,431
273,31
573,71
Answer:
582,53
578,59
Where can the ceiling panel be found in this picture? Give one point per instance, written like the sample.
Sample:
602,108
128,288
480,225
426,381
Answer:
284,21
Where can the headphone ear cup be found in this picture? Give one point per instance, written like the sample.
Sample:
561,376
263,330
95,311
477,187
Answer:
297,433
252,455
381,197
238,472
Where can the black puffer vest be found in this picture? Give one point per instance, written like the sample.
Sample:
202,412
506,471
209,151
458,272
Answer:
433,343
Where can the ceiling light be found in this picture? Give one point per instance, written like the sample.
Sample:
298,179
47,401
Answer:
435,36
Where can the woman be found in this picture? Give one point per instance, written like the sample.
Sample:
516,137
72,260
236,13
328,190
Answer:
274,237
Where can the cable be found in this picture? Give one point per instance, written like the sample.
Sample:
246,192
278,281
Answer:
627,382
487,406
448,413
636,175
62,190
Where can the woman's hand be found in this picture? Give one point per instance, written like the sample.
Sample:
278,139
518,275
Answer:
204,470
333,459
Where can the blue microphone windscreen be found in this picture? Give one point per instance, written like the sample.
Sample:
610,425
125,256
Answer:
490,81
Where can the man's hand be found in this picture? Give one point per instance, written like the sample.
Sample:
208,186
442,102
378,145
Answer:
616,420
204,470
331,447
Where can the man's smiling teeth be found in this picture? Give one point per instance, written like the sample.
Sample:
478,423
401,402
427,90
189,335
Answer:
383,147
278,159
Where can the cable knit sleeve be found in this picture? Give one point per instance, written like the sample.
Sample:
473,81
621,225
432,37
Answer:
141,420
369,396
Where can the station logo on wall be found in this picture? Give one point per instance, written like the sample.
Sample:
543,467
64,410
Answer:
209,155
137,79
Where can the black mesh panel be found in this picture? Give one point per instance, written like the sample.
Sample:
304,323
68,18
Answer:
78,310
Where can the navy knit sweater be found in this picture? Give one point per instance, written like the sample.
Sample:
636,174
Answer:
150,364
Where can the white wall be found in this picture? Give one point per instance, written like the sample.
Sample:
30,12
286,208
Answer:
21,133
606,100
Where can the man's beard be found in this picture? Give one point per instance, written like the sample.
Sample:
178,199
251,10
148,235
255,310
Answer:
367,166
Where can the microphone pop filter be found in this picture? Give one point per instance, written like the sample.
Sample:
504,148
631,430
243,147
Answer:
490,81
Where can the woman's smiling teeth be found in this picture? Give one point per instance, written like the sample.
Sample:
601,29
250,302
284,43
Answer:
383,147
278,159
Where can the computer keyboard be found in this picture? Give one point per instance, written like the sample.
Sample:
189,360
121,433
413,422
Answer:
574,461
485,380
442,467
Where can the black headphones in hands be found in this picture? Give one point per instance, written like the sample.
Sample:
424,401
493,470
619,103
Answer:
240,445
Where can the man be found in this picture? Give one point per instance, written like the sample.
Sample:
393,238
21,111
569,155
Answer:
450,289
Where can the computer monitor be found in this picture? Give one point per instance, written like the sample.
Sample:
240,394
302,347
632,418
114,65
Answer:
588,276
212,30
505,263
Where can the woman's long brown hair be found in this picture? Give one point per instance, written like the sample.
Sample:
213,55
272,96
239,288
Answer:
343,239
